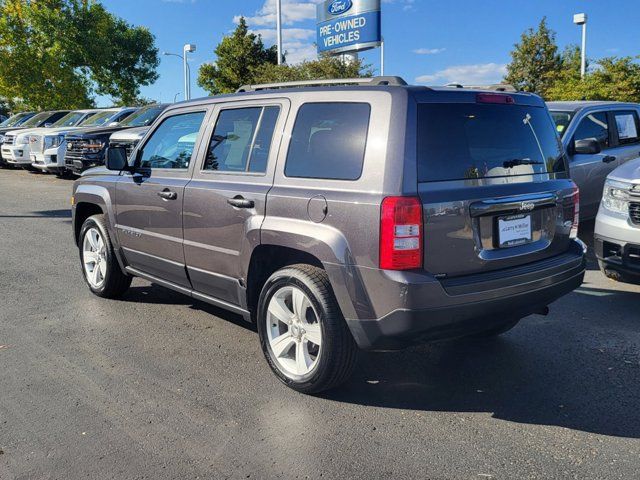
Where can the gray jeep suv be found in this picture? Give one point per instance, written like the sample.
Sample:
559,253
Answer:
343,214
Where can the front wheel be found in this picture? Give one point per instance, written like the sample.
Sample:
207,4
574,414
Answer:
100,266
302,332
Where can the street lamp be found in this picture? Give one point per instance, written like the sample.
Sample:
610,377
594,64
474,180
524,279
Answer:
188,48
581,19
169,54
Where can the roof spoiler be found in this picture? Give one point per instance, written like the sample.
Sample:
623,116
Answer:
497,87
366,81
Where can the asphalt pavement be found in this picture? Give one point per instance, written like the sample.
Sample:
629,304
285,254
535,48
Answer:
157,386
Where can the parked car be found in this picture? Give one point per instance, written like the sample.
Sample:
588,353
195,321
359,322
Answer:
128,139
366,214
48,148
86,147
617,229
12,123
16,149
16,120
598,138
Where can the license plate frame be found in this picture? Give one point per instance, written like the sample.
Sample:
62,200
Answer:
514,230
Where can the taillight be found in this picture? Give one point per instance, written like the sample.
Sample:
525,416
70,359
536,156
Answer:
494,98
576,212
401,233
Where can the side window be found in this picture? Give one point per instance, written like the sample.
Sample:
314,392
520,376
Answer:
241,140
328,141
171,144
627,126
594,126
121,116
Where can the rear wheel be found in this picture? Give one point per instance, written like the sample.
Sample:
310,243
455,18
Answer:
100,267
302,333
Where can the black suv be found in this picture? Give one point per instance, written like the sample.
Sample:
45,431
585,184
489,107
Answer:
86,149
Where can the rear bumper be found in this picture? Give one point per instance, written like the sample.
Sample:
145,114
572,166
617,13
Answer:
421,308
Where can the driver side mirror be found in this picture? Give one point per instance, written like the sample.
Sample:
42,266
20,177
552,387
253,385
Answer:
588,146
117,159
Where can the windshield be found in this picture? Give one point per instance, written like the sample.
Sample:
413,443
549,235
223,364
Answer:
143,117
475,140
16,120
562,120
98,119
69,120
36,120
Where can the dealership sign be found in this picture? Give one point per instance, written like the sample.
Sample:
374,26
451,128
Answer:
348,25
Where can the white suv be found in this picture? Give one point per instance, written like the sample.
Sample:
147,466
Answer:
16,149
48,147
617,230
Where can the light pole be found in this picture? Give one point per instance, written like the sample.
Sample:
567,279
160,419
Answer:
581,19
169,54
279,30
188,48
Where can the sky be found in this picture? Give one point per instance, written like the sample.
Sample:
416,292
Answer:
426,41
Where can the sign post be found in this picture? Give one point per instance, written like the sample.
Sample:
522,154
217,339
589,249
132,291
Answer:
348,26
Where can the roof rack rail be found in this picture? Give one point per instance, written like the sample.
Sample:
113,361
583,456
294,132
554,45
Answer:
498,87
371,81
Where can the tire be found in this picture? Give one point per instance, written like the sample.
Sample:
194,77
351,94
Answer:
330,362
619,276
111,281
496,331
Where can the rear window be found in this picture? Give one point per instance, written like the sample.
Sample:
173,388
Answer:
473,140
562,120
328,141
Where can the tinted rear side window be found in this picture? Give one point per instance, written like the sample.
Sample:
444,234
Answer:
328,141
473,140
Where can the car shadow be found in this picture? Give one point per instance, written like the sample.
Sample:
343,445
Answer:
585,234
156,294
580,371
62,213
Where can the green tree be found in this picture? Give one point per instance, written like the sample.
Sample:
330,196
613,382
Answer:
534,60
60,53
238,57
326,67
614,79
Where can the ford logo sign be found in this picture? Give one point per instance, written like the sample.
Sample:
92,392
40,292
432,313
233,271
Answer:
338,7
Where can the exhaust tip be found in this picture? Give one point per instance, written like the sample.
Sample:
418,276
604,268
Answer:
544,311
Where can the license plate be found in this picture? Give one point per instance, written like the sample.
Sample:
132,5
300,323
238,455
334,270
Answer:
514,230
33,158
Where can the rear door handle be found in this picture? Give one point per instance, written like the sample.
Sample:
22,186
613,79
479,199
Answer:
240,202
609,159
167,194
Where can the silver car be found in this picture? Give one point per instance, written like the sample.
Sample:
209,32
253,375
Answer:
598,137
617,231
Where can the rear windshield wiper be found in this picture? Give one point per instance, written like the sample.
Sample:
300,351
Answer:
519,161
